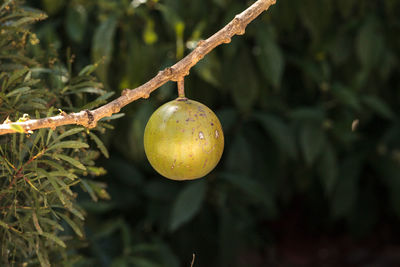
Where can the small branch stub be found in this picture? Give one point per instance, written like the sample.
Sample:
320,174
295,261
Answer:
181,88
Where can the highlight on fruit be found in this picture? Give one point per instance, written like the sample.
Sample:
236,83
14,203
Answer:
183,139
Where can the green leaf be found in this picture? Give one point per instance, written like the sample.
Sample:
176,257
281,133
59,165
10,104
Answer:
54,238
91,90
71,223
312,139
103,45
42,257
98,188
99,101
388,171
4,225
16,75
63,173
378,106
89,189
347,96
136,131
328,169
113,117
49,135
6,165
253,189
209,69
76,22
67,133
27,20
53,223
17,128
346,190
68,144
53,6
57,189
280,133
316,16
187,204
169,14
370,44
346,7
143,262
52,164
308,114
270,60
71,161
87,70
76,212
5,4
239,151
244,83
99,144
22,90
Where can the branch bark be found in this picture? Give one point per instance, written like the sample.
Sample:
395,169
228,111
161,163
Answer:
89,118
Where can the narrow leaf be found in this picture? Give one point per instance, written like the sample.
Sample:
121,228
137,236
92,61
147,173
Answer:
99,144
378,106
279,132
43,259
68,144
56,188
103,45
17,128
71,161
312,140
68,133
52,223
87,70
55,239
71,223
89,189
187,204
113,117
253,188
271,58
21,90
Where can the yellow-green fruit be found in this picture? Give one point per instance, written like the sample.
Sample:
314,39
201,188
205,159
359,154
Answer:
183,140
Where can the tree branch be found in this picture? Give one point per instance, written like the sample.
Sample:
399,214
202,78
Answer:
89,118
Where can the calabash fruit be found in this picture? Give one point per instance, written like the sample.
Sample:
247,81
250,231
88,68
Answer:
183,140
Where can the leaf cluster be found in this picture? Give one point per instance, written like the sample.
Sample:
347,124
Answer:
39,213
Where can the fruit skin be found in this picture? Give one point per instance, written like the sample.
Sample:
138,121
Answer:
183,140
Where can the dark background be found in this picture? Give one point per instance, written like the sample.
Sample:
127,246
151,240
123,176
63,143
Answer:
296,186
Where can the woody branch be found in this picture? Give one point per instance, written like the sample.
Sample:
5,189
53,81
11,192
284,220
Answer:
89,118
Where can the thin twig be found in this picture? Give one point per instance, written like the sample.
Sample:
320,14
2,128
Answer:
194,257
19,173
89,118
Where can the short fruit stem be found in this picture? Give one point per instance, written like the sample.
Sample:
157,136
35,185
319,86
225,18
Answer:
181,88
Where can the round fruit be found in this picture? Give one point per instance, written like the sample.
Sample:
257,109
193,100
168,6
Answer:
183,140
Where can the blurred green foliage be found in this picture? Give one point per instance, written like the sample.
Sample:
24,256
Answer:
287,93
40,215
